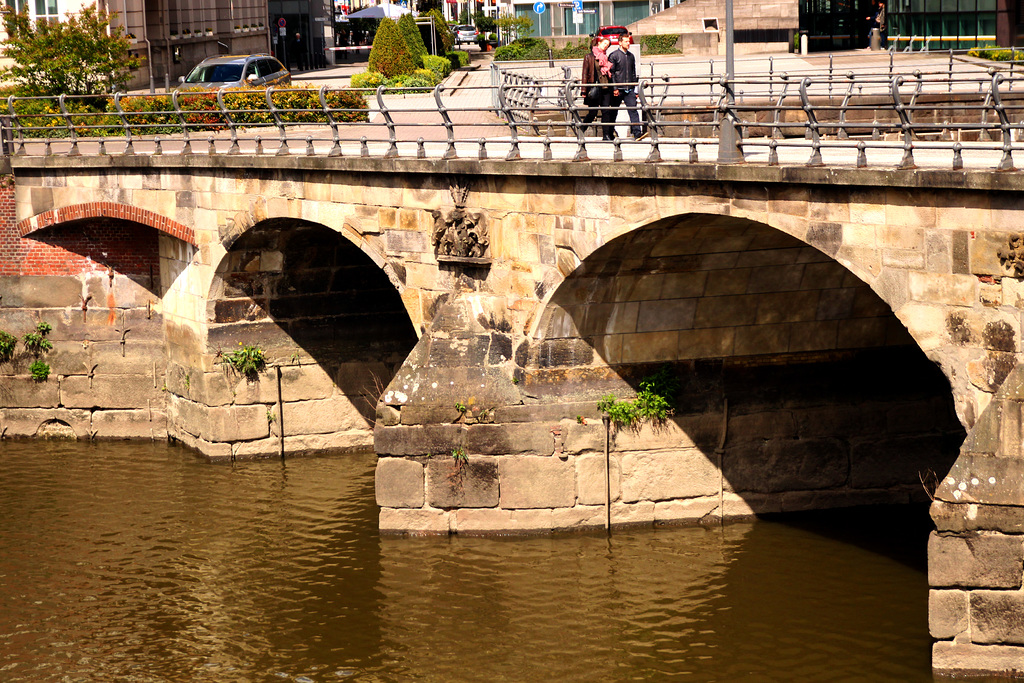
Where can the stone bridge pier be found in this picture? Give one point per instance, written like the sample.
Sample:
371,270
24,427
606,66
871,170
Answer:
840,338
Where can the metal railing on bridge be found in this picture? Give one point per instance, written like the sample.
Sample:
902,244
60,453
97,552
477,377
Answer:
932,115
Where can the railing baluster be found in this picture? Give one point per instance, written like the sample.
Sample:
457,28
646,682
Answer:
233,149
128,149
905,125
72,133
449,152
175,102
812,125
282,149
389,122
581,144
1006,163
16,122
333,122
513,153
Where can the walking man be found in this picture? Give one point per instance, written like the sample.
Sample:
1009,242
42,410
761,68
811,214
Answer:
299,49
624,73
877,20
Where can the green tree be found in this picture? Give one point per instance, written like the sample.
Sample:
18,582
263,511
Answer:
413,39
484,23
83,55
389,54
514,26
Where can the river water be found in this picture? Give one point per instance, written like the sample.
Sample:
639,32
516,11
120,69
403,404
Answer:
139,562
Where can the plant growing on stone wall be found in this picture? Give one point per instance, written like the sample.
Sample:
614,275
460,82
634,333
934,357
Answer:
40,370
36,342
248,360
459,461
653,401
8,342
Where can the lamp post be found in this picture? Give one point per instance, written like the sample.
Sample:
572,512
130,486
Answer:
728,139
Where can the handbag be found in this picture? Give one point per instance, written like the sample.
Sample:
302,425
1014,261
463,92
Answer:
594,93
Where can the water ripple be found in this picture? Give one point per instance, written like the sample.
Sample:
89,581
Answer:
139,562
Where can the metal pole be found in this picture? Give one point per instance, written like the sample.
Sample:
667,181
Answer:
280,412
728,139
607,473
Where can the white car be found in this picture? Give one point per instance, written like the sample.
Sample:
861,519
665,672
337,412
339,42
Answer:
466,34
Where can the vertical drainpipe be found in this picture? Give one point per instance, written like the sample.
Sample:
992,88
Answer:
145,39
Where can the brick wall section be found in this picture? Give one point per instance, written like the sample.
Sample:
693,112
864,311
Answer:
91,246
106,210
101,244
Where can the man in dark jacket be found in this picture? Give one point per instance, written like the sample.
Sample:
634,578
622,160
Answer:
624,72
299,50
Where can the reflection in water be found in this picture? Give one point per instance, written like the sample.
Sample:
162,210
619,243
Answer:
138,562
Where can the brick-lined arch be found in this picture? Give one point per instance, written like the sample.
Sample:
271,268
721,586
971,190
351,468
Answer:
77,212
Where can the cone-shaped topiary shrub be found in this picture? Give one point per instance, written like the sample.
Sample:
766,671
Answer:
443,30
389,54
413,39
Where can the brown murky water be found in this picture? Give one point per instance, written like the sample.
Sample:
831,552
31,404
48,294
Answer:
138,562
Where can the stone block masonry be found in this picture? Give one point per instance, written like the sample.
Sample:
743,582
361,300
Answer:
94,285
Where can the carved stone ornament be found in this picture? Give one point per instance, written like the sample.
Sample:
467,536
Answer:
460,237
1012,256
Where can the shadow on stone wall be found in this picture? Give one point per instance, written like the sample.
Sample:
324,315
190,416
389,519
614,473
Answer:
314,301
830,402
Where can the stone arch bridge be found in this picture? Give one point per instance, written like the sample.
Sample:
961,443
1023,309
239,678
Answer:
840,337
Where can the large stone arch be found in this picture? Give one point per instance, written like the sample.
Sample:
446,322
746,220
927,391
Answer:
333,324
756,322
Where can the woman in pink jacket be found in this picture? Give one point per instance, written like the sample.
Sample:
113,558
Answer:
596,94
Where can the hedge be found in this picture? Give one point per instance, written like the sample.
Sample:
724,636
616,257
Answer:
664,44
389,54
154,115
440,66
458,58
996,54
420,78
509,53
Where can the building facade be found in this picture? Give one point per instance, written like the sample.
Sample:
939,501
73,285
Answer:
172,36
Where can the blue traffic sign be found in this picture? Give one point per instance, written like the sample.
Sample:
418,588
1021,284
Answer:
577,5
538,7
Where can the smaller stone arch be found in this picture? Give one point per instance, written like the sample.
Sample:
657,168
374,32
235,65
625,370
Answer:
78,212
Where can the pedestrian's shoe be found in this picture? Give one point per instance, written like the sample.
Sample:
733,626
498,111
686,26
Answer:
641,136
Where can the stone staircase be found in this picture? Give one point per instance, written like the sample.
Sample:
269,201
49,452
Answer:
689,16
